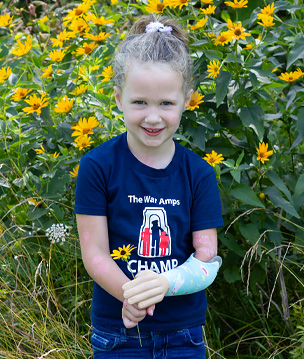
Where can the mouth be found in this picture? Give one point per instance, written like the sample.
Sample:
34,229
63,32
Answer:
152,131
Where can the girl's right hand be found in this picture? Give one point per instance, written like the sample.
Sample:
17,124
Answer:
132,315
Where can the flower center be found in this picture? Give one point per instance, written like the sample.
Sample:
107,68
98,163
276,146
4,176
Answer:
192,103
36,106
160,7
86,131
78,12
87,50
222,38
123,252
237,32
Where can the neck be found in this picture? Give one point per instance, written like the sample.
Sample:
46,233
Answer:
158,158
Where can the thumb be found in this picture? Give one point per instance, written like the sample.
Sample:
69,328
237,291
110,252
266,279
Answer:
150,310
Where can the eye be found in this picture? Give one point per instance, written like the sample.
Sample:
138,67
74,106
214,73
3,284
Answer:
139,102
166,103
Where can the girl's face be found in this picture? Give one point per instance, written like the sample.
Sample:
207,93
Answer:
152,101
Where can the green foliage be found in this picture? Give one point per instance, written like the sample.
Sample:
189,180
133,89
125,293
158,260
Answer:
252,104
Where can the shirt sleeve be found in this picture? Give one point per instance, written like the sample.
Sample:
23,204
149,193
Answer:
91,192
206,209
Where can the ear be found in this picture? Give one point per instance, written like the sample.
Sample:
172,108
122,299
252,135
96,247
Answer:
188,98
118,97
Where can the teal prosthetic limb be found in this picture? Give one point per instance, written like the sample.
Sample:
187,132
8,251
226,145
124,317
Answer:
192,276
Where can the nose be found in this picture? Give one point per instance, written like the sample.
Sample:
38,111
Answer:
152,117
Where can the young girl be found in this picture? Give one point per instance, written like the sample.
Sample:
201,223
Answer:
142,189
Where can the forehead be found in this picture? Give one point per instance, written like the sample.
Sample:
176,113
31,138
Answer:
152,77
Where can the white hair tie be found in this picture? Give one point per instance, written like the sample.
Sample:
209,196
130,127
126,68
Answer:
158,26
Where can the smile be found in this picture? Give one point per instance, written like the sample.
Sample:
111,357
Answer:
152,131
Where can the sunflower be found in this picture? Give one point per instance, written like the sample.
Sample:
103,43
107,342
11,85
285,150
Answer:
207,2
98,38
79,90
268,10
290,76
213,68
223,38
20,93
267,20
201,23
79,27
22,49
209,11
36,104
195,100
57,55
237,32
86,49
85,126
59,40
47,72
78,11
64,105
5,20
5,73
213,158
40,150
54,155
122,253
156,6
107,73
263,154
180,3
99,20
83,142
237,4
74,172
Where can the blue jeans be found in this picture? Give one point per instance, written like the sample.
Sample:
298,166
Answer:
124,343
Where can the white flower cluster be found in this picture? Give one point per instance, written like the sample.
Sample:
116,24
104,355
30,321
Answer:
57,232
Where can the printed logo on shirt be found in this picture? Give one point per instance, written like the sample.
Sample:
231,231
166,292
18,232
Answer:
154,235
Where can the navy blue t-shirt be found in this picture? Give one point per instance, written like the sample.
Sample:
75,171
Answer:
156,210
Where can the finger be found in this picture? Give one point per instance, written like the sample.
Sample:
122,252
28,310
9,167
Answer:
133,313
141,288
150,310
151,301
143,296
128,323
134,282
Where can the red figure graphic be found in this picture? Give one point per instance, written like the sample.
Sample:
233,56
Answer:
164,243
145,237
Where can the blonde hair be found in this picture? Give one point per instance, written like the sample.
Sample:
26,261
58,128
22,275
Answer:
169,48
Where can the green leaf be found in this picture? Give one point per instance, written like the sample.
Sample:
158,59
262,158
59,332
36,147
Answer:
247,195
276,180
236,174
37,213
232,274
300,186
239,160
222,82
297,52
250,232
279,202
231,243
253,117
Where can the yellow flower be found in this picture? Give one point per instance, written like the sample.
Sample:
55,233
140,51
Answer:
98,38
267,21
36,103
5,73
156,6
210,10
64,105
180,3
22,49
79,26
223,38
100,91
79,90
301,73
113,2
85,126
213,68
86,49
262,195
59,40
33,201
207,1
248,47
53,156
122,253
6,20
213,158
40,150
47,72
74,172
57,55
290,76
201,23
237,4
195,100
263,154
20,93
44,19
268,10
78,12
238,32
107,73
99,20
83,142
